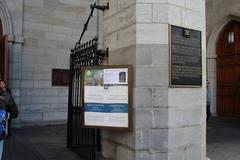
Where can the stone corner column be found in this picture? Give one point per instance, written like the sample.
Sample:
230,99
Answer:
169,123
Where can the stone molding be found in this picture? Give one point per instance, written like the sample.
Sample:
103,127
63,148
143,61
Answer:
6,18
15,39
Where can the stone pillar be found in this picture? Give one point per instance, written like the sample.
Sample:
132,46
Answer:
169,123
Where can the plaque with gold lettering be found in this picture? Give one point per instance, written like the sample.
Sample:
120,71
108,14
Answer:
185,57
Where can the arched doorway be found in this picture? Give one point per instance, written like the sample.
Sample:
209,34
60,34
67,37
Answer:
228,71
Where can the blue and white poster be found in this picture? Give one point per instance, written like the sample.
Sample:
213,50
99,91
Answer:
106,97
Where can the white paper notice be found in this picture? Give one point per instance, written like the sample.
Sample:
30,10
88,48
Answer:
115,76
106,107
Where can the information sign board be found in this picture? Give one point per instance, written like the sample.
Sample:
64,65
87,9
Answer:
107,96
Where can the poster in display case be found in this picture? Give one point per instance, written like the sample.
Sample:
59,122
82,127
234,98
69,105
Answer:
107,97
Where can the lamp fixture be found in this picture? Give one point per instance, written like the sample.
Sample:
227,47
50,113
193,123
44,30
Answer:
231,37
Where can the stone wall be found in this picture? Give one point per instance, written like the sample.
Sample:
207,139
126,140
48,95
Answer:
11,14
169,123
42,32
50,29
119,34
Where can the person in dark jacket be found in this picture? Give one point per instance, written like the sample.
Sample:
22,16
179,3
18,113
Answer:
6,94
7,102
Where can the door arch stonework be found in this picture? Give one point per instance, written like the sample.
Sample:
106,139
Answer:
6,18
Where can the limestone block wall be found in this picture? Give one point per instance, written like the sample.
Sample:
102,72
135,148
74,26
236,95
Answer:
169,123
190,103
218,14
185,107
50,29
119,34
11,14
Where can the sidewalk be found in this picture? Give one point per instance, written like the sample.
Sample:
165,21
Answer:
223,139
38,143
49,142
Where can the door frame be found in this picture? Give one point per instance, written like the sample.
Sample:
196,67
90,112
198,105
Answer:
5,57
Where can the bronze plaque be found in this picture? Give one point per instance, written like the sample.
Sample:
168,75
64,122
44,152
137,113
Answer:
186,57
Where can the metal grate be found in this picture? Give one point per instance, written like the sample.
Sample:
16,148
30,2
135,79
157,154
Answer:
83,141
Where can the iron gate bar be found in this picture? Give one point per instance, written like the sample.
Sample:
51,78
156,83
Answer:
84,141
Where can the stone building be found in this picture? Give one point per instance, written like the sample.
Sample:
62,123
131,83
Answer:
169,122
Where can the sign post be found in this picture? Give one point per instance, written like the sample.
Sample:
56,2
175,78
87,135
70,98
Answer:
107,97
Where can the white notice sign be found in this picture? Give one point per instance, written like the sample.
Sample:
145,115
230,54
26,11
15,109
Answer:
106,99
115,76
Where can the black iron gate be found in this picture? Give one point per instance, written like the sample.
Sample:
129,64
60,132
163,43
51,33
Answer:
84,141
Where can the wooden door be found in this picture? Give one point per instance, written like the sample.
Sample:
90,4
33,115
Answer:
228,71
4,57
